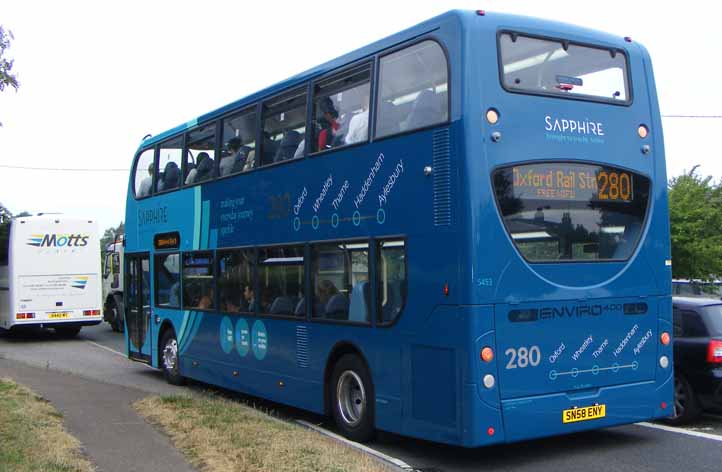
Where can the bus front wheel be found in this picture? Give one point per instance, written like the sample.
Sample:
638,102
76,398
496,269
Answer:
169,358
353,399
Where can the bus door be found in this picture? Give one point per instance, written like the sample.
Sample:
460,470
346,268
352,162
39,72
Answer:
138,313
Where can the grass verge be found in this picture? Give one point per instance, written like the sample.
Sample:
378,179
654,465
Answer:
32,437
219,435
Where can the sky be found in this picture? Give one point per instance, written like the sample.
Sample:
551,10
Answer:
95,77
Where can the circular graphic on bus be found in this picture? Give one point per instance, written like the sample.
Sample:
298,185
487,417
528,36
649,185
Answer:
226,335
356,218
381,216
334,220
315,221
243,338
296,223
259,340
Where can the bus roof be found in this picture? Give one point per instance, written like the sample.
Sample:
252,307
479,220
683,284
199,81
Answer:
492,20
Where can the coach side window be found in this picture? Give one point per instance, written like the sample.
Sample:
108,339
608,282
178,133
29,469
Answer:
144,170
198,293
167,281
413,89
239,143
201,155
284,127
4,254
341,109
169,165
391,267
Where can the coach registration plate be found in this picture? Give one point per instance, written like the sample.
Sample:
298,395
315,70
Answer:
584,413
62,314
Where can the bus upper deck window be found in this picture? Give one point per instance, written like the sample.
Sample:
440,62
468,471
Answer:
413,89
144,170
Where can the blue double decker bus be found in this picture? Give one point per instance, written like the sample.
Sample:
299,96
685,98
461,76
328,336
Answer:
458,233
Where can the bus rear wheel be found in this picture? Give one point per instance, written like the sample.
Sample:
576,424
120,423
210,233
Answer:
169,358
352,397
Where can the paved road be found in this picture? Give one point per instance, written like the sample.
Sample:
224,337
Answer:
94,354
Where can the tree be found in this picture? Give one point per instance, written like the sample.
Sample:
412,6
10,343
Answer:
695,213
7,78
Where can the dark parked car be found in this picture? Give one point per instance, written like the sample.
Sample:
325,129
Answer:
697,356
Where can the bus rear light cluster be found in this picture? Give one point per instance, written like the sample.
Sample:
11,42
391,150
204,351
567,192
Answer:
664,362
714,352
492,116
665,339
25,316
91,312
487,354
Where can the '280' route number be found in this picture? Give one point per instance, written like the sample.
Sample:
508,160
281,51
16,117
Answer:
523,357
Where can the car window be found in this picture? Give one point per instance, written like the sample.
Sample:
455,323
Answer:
693,326
713,316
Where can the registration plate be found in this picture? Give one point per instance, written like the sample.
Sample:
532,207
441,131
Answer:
55,316
584,413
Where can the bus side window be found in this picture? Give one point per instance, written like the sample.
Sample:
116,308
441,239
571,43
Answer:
341,109
281,281
167,280
391,267
169,165
144,170
198,281
200,165
413,89
235,281
340,282
239,143
284,127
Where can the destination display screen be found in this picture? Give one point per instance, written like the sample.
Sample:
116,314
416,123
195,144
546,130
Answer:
569,211
563,181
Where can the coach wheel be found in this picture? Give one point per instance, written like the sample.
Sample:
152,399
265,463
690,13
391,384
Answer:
67,331
170,359
685,402
353,399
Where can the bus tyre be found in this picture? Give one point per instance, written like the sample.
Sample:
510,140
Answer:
115,322
686,407
352,397
67,331
169,359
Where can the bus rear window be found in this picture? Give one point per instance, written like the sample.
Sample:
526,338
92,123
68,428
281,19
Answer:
557,67
559,211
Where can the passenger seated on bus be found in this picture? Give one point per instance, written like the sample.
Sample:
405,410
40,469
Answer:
328,122
229,302
358,127
250,161
206,300
171,177
202,170
249,297
270,148
288,145
146,183
234,158
325,290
